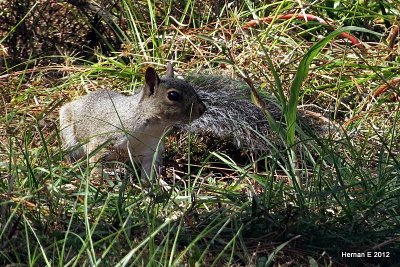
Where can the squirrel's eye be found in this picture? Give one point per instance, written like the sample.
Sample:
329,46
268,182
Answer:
174,96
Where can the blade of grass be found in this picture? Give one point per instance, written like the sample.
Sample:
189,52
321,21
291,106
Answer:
26,221
125,260
301,75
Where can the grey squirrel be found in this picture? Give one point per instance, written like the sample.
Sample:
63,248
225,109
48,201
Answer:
216,105
127,127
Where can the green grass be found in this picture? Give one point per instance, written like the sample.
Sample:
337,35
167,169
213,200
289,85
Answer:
305,203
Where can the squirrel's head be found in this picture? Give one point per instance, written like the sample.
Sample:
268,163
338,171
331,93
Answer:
172,100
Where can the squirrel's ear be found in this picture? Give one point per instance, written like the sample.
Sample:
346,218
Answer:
170,70
151,81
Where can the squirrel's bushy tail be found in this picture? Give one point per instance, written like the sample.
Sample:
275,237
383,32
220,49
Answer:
232,116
